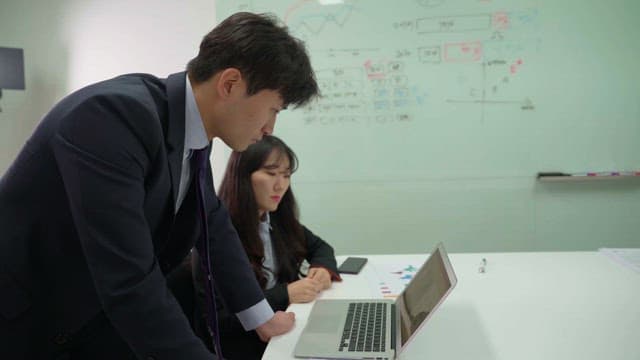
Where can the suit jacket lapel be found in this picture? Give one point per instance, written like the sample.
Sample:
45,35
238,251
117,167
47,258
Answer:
175,129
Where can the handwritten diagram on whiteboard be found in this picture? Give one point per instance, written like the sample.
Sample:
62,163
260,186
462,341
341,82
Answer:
413,56
478,88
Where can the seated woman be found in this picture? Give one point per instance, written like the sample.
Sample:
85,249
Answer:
257,192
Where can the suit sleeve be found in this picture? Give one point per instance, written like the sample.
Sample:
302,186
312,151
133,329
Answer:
278,296
104,148
238,286
321,254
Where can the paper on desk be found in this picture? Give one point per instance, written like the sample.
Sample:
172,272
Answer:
628,257
389,280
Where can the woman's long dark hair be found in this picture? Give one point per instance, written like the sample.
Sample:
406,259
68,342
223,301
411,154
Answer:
236,192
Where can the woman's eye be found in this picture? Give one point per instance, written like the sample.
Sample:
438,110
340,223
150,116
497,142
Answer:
271,173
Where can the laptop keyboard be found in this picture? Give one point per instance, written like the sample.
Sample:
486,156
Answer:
365,327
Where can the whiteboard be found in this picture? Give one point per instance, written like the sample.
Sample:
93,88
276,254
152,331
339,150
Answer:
436,116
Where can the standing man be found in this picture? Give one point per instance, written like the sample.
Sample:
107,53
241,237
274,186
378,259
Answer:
100,204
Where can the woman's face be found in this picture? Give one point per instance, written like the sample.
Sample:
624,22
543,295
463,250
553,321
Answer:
271,181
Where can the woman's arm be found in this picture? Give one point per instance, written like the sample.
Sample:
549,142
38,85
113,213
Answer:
320,254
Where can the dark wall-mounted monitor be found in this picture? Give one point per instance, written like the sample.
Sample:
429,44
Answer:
11,68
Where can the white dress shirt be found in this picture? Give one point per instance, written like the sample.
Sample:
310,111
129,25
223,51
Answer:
195,137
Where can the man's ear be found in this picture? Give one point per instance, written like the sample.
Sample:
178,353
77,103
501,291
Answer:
229,81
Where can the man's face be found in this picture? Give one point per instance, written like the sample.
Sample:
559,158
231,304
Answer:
250,117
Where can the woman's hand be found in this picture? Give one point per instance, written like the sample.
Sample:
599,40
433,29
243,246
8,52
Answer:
303,290
321,275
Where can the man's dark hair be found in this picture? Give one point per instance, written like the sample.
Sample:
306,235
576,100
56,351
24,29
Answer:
263,50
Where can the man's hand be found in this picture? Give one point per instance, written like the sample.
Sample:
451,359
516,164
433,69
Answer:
280,323
321,275
303,290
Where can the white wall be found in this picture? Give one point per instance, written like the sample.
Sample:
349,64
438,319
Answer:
72,43
35,27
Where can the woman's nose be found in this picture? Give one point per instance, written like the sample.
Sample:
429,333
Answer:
279,185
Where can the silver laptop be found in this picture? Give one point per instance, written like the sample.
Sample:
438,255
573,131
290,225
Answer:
377,328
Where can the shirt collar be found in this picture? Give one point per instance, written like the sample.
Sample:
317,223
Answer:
195,137
267,220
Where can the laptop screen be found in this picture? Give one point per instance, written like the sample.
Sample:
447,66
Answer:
424,293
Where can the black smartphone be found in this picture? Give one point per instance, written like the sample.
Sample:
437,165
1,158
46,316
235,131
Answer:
352,265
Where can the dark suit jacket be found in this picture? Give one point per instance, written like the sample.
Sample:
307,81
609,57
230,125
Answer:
242,345
88,231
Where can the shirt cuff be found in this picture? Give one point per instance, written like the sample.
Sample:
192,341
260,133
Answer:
256,315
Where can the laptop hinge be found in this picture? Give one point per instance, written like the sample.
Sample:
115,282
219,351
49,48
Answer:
393,326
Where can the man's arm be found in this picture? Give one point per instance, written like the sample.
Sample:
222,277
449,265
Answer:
104,149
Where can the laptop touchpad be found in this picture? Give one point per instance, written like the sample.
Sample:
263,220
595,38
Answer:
328,324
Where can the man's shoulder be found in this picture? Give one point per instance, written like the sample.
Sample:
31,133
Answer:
131,90
135,85
138,99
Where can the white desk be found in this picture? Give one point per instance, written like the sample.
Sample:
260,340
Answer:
558,305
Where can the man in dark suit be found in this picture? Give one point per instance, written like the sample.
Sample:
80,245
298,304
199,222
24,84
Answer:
100,204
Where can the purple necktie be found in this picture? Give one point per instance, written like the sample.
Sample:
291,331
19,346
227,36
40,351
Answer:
199,160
